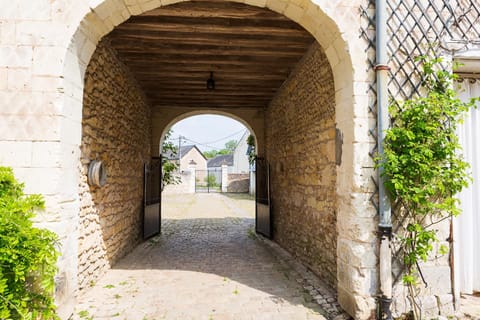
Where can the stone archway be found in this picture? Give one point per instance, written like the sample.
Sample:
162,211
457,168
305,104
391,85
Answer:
248,119
331,25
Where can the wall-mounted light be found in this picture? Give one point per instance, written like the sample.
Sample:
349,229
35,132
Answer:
211,82
97,174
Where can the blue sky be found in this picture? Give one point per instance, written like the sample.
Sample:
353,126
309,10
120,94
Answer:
207,132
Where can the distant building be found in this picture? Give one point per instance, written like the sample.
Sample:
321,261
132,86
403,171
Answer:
188,157
218,161
240,155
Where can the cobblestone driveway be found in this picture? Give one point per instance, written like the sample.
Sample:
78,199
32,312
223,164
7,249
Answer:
207,264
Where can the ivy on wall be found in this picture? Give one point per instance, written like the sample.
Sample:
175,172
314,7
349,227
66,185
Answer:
423,167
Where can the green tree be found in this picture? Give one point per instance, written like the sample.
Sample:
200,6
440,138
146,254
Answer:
28,255
423,168
169,167
252,153
229,148
211,181
210,154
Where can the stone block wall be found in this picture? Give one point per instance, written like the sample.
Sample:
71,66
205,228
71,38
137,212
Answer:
436,297
238,182
116,130
186,184
300,135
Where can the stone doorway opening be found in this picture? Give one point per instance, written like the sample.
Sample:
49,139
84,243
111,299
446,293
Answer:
289,100
209,153
206,153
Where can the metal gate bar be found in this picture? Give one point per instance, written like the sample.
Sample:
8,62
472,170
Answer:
208,180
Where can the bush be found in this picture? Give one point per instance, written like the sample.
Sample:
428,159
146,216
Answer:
211,181
28,255
424,169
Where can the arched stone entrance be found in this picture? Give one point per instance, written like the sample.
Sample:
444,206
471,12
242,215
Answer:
249,119
331,25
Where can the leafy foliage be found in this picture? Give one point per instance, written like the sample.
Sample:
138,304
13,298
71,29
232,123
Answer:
228,149
209,154
423,166
211,181
28,255
169,167
252,153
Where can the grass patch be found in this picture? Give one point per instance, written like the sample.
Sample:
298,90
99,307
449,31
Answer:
239,196
251,234
83,314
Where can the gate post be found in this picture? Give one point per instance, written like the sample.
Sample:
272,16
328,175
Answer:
224,178
192,179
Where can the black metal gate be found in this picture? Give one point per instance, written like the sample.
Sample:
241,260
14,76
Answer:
152,198
208,180
263,219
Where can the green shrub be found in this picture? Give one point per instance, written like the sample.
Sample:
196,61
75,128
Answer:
211,181
28,255
424,169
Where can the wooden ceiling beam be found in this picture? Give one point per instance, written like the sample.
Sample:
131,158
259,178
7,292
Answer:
205,9
252,30
214,22
206,96
207,65
280,51
205,68
211,36
172,50
220,87
173,77
208,105
207,58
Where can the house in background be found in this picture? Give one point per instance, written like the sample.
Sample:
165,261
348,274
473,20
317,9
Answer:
240,155
189,157
192,166
217,162
239,177
237,162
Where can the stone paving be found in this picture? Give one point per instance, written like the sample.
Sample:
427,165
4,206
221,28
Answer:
207,264
470,306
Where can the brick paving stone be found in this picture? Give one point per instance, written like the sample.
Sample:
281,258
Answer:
206,264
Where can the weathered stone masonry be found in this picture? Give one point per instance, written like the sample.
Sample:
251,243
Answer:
300,131
116,130
45,48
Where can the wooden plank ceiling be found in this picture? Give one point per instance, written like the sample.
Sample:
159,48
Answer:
172,50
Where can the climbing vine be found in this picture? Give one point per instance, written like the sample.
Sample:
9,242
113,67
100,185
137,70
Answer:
28,255
169,167
251,152
424,169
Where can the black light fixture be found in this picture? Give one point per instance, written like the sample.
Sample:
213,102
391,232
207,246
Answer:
211,82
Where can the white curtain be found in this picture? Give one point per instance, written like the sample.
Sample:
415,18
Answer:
467,225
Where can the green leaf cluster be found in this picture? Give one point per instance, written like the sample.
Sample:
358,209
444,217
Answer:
169,167
422,163
28,255
211,181
252,153
228,149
